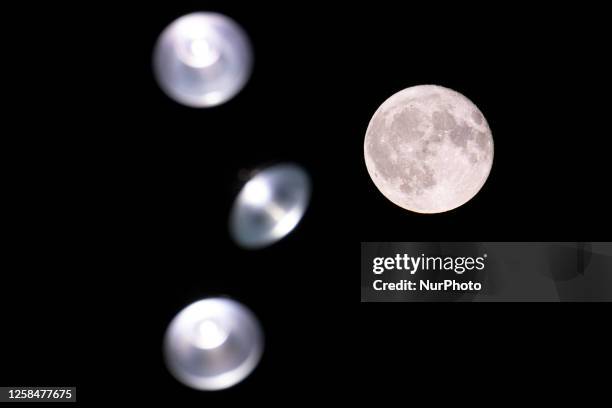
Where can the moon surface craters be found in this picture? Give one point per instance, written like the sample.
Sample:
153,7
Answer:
428,149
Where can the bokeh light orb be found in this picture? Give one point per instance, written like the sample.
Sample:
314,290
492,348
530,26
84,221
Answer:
270,205
202,59
213,344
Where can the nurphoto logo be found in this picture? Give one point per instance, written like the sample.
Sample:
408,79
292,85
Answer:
411,264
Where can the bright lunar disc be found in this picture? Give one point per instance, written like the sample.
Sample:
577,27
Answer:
428,149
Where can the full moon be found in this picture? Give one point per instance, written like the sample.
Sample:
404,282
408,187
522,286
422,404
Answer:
428,149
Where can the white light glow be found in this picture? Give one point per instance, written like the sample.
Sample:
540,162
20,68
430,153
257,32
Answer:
257,192
270,205
209,334
213,344
203,53
202,59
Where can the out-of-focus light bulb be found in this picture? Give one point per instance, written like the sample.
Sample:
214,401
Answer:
213,344
202,59
269,206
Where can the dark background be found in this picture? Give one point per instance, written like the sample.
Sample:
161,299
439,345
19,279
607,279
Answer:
117,197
